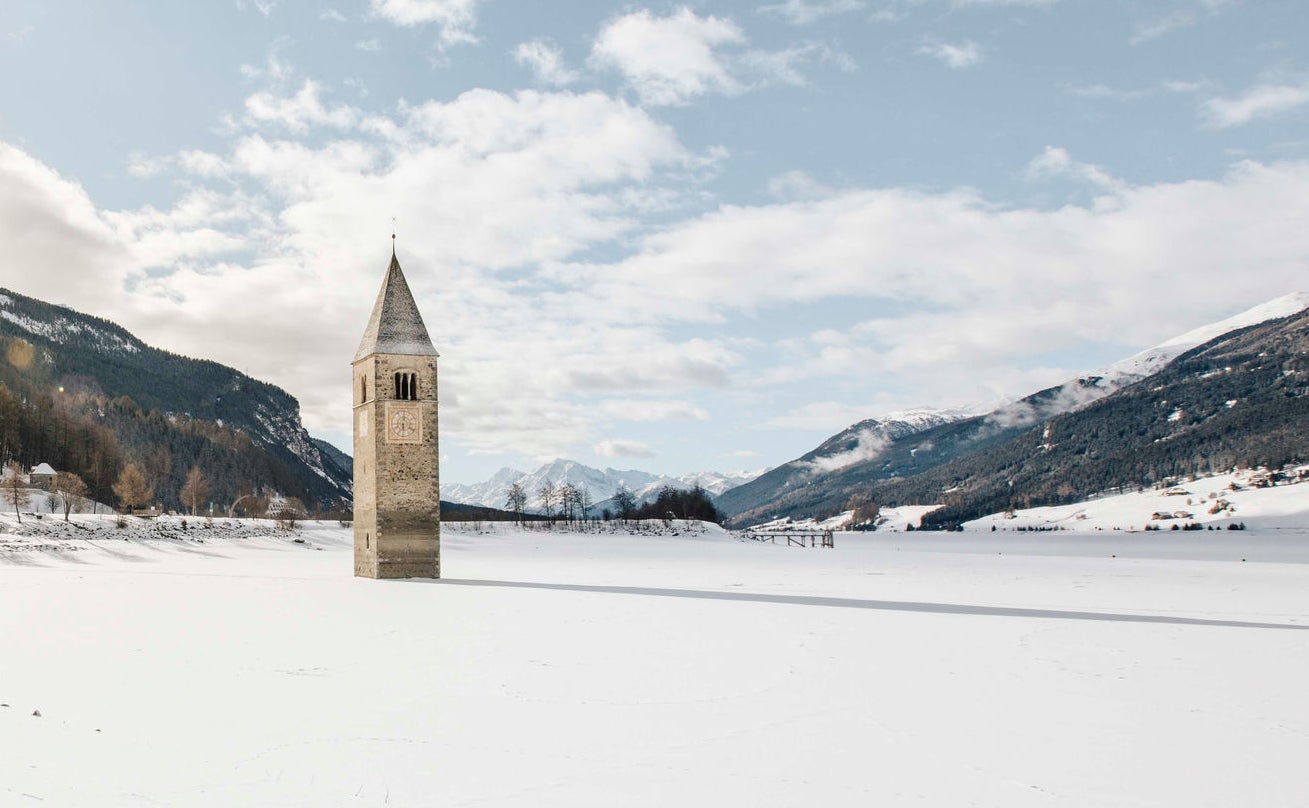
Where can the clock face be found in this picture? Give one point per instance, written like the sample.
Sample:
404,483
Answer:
404,425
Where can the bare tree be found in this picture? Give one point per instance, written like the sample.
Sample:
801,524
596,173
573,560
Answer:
131,490
293,510
568,501
16,488
516,501
584,503
624,502
548,497
71,490
195,490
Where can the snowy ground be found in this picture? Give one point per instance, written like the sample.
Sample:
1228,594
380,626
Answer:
989,669
1218,501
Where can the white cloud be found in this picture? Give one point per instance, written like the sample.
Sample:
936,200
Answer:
1258,102
1001,3
71,254
504,203
331,15
797,185
669,60
974,294
545,61
1057,162
264,7
783,66
454,18
369,45
1107,93
1101,91
276,70
300,111
624,448
484,184
964,54
1180,14
627,409
806,12
869,443
820,416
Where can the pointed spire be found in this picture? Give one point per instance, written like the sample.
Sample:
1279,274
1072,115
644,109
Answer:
395,326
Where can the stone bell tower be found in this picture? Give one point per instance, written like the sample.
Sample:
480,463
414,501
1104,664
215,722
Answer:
397,497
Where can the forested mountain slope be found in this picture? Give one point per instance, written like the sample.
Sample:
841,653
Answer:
1236,399
84,395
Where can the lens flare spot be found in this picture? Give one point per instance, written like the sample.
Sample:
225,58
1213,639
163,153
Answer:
21,353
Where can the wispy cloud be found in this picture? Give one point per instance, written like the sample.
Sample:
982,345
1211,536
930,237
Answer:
957,56
1261,101
624,448
806,12
1057,162
455,19
627,409
546,62
669,61
264,7
1181,14
300,111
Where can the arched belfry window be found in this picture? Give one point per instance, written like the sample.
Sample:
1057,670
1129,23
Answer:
363,389
406,386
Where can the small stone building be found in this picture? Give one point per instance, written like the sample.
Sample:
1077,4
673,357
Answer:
42,477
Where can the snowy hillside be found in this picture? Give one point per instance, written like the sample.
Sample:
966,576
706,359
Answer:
599,483
1244,497
1092,387
1253,498
1003,670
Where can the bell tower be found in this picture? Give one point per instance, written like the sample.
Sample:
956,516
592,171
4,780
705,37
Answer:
397,498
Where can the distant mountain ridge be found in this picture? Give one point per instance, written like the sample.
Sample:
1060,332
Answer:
600,484
164,411
936,464
854,447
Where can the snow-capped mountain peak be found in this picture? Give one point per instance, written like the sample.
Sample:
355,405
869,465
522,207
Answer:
1152,360
600,484
1084,390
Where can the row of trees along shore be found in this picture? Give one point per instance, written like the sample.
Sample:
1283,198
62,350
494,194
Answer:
69,492
571,504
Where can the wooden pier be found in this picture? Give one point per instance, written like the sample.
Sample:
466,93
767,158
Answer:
793,538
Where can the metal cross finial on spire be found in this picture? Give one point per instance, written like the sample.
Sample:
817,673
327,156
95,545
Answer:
392,235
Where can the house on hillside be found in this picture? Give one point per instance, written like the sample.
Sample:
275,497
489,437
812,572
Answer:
42,477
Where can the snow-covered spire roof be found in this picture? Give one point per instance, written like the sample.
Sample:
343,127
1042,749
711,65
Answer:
395,326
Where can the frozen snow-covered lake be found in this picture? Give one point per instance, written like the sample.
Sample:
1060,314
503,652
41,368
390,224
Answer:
563,670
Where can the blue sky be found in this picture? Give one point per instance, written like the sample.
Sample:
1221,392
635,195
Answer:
665,236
